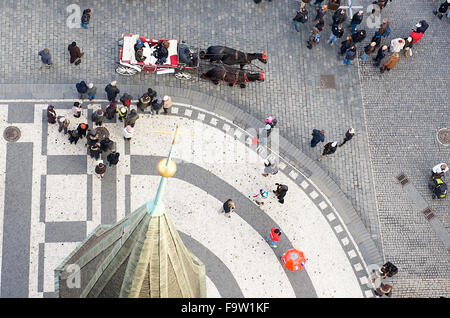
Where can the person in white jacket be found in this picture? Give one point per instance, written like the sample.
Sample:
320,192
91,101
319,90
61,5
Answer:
440,169
397,45
128,132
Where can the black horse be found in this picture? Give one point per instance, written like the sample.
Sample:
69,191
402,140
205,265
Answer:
231,56
232,76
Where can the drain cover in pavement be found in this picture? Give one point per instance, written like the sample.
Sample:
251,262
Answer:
11,133
327,81
443,136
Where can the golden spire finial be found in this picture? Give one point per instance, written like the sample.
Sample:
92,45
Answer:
167,167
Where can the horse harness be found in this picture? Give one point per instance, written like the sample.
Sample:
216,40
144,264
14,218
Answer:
236,76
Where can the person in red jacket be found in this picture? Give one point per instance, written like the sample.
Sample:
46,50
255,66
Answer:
273,237
415,36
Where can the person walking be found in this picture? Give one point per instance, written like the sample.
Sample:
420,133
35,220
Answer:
390,63
397,45
439,170
167,103
356,20
382,51
384,289
350,54
228,207
318,136
75,53
368,49
51,114
337,31
126,99
157,104
100,169
348,136
339,16
82,129
280,192
85,18
376,38
300,17
112,158
82,89
63,123
384,29
358,36
320,13
112,91
98,116
313,37
407,49
46,58
110,111
131,118
273,237
106,144
92,137
345,45
123,112
95,151
91,91
442,9
76,109
328,149
128,132
143,102
73,136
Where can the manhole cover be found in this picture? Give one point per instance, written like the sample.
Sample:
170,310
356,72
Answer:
11,133
327,81
102,132
443,136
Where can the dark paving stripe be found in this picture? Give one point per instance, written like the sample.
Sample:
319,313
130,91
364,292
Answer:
21,113
127,196
109,192
44,132
246,209
66,164
216,270
56,232
17,220
41,267
42,198
89,197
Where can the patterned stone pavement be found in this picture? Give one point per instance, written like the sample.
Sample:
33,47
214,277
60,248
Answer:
406,105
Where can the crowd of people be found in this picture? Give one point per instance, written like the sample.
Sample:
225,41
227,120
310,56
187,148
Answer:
104,149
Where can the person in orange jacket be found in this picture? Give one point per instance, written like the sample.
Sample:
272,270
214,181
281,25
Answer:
273,237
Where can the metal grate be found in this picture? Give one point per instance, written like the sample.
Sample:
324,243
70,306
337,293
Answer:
402,179
428,213
327,81
11,133
443,136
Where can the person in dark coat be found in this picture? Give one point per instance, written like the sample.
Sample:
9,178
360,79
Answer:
280,192
100,169
345,45
161,52
368,49
82,89
328,149
106,144
75,53
382,51
112,91
126,99
348,135
422,26
376,38
85,18
112,158
157,104
92,137
110,111
442,9
358,36
91,91
73,136
381,4
320,13
98,116
337,31
143,102
51,114
228,207
82,130
356,20
339,16
350,54
152,93
320,24
131,118
318,136
95,151
301,17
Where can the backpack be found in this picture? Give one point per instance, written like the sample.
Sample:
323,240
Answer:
317,38
390,269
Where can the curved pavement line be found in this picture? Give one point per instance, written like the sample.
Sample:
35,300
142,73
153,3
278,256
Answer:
216,270
248,211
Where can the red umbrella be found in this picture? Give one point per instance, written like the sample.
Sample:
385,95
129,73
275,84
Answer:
293,260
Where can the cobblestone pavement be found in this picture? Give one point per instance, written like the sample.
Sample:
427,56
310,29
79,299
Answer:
378,107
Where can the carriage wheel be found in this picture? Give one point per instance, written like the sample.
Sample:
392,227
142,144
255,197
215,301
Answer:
125,70
183,75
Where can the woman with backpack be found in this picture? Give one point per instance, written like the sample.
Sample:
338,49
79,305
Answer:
280,192
301,17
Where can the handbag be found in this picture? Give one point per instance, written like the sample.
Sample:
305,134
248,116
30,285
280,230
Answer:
77,61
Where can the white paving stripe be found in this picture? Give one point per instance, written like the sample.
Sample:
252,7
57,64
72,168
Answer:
234,241
328,266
